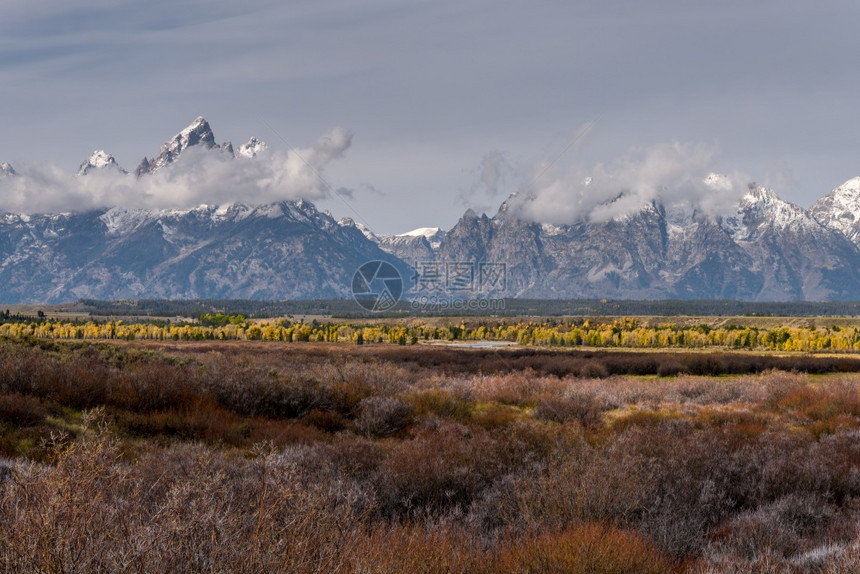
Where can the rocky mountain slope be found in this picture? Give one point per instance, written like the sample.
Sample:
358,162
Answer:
279,251
416,245
766,250
840,210
99,159
769,250
6,169
197,134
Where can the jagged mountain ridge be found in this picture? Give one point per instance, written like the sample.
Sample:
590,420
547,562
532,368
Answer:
416,245
768,249
7,169
278,251
198,134
840,210
99,159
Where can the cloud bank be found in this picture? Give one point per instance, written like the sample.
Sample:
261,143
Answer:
199,176
674,175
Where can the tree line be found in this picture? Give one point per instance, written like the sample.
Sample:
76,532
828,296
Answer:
347,308
619,333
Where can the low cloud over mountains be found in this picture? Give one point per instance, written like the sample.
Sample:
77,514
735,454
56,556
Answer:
188,174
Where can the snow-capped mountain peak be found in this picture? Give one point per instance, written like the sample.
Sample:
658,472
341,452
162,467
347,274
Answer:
840,209
99,159
759,194
251,148
197,133
761,205
850,187
7,169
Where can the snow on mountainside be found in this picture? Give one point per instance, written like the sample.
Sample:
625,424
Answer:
274,251
765,249
761,206
99,159
285,249
418,245
366,231
840,210
795,255
404,249
427,232
6,169
198,133
120,221
770,249
433,235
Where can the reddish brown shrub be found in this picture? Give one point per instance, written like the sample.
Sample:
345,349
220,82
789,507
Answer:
407,549
821,402
328,421
586,410
442,403
281,433
356,458
640,417
382,416
442,468
738,421
670,367
204,420
495,415
593,370
585,548
21,410
782,527
150,386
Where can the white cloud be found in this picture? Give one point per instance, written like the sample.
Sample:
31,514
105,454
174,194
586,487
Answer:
670,174
199,176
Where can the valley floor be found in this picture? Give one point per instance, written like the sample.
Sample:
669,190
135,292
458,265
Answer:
328,457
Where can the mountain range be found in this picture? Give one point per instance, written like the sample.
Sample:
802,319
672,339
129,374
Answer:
767,249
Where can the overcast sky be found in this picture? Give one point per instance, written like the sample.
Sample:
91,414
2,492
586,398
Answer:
450,104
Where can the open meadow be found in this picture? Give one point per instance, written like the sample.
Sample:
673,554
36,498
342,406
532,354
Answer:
261,456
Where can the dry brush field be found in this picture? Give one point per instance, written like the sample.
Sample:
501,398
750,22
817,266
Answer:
313,457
